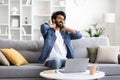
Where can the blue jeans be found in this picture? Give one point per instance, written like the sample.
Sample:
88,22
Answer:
55,63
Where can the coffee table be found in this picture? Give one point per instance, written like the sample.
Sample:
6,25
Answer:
55,74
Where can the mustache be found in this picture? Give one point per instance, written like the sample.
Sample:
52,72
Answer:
61,24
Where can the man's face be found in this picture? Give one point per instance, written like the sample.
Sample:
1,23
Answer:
59,21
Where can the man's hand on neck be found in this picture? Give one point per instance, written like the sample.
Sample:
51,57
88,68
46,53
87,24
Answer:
69,30
53,25
64,28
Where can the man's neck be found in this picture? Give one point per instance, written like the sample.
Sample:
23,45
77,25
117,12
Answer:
57,28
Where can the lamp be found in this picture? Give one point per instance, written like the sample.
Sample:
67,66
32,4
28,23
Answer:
109,19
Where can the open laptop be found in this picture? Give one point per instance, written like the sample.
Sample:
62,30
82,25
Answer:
75,65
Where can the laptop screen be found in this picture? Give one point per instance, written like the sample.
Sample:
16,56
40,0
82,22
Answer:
76,65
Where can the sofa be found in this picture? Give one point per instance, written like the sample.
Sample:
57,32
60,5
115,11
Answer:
30,50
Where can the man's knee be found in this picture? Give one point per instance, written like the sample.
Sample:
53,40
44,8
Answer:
56,61
56,64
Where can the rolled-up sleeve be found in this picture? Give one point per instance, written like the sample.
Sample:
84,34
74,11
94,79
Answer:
78,35
44,29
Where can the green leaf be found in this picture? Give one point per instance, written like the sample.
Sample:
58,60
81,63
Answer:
98,31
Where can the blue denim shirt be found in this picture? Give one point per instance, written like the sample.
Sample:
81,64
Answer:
49,40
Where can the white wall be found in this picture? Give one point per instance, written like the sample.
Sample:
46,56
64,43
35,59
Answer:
88,12
117,29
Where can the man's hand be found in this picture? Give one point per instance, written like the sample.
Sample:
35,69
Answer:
53,25
69,30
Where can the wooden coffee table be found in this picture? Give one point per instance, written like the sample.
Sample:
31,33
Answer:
55,74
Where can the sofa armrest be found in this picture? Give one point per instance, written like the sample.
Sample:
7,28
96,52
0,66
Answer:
118,58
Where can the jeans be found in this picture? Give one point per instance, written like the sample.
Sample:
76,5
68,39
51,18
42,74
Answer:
55,63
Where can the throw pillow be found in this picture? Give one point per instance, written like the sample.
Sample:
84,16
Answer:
92,54
3,60
14,57
107,54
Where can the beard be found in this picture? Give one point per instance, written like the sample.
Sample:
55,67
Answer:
59,24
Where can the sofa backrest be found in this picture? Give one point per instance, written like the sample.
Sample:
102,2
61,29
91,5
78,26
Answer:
28,48
31,49
80,45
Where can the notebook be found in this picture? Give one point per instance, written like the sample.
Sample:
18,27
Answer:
75,65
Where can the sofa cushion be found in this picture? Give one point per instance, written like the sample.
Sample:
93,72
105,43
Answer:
24,71
30,56
92,54
14,57
27,45
108,54
3,60
80,52
80,45
30,49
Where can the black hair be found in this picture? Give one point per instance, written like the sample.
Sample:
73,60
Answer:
55,14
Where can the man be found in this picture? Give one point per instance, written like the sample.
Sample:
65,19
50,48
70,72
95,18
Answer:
57,46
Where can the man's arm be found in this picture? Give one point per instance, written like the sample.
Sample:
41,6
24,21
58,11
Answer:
70,30
44,29
52,25
74,34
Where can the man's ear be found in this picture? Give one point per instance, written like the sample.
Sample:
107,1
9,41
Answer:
53,20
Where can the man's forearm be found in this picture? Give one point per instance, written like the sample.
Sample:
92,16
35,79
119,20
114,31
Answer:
70,30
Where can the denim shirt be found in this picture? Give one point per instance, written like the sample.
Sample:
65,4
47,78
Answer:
49,39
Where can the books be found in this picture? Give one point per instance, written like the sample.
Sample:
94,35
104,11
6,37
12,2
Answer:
15,23
23,30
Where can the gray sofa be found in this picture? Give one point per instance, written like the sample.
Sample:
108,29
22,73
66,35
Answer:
31,51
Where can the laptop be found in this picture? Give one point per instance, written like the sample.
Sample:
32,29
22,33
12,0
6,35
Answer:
75,65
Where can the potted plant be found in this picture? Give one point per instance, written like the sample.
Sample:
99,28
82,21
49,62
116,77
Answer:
95,31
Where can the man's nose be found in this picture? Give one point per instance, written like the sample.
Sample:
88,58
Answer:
61,21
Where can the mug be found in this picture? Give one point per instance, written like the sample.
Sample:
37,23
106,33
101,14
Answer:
92,70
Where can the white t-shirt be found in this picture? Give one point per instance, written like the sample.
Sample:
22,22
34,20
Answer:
59,50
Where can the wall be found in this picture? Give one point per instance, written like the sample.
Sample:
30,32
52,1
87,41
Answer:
88,12
117,29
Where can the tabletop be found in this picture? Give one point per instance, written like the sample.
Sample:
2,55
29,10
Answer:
55,74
